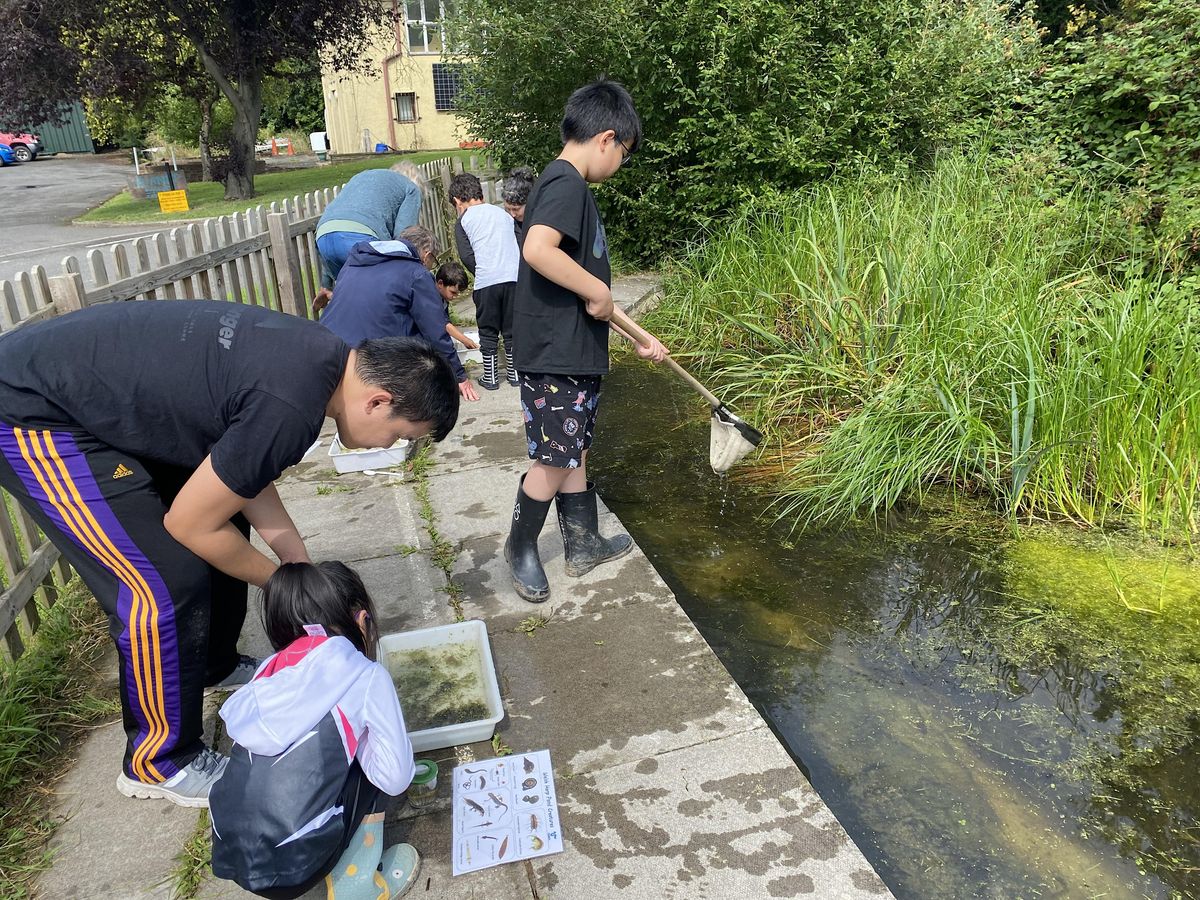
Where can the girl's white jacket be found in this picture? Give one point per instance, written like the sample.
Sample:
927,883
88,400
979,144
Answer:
314,677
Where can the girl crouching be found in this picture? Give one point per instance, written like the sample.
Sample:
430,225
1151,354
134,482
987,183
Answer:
319,745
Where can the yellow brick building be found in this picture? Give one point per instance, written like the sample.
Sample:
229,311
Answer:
407,102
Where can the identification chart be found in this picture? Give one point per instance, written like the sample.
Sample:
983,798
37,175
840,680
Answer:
504,809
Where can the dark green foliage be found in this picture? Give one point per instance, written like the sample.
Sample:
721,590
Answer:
1122,107
178,119
1057,17
741,95
292,97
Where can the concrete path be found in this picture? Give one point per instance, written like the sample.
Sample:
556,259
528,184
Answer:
670,784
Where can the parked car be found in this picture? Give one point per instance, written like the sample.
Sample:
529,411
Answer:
25,146
7,157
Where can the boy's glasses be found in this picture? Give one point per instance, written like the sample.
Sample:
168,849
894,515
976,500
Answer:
626,153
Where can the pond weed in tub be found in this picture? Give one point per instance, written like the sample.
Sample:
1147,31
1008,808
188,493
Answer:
439,686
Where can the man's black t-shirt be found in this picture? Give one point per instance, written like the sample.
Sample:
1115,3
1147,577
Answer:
176,380
552,331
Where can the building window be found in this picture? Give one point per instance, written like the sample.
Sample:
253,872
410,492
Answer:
446,84
423,19
406,107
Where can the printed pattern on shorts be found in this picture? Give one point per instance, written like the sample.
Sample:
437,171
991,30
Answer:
560,416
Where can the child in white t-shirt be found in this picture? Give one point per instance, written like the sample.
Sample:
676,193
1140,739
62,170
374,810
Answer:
487,246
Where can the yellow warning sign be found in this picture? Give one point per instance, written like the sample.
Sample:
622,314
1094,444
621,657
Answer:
173,201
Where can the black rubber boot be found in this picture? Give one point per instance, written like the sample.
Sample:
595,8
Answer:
579,522
521,550
488,380
510,369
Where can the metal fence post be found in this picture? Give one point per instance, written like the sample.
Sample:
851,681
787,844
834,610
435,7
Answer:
287,266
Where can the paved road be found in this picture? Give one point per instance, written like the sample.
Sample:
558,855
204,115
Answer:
40,199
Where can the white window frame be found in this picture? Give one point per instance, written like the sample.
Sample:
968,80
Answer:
426,25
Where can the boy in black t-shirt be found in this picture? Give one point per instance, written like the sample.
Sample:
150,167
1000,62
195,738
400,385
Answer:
560,331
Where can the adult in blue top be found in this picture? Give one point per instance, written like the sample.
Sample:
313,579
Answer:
386,289
376,204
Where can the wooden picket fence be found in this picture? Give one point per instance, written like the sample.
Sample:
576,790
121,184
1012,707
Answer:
266,256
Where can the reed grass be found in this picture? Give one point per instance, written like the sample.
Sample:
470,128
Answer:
46,696
957,328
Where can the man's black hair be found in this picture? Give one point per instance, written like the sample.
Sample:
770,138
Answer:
465,186
329,594
452,274
598,107
417,376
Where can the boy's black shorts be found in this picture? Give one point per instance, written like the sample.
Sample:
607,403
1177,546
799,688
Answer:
560,416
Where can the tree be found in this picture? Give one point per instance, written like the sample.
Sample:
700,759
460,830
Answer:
50,53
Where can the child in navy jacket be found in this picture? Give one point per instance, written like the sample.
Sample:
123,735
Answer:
319,744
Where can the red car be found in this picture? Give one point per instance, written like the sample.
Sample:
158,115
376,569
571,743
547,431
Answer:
25,147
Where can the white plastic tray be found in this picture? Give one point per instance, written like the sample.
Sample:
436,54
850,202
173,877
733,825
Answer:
357,460
474,632
465,355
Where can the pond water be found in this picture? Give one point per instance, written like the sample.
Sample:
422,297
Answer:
985,713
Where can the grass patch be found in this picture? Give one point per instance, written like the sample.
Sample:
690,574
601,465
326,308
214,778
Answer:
208,198
444,553
46,697
499,747
958,327
530,624
194,862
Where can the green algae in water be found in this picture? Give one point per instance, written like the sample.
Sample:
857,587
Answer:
439,686
1130,613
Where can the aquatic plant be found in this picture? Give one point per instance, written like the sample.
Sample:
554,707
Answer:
962,327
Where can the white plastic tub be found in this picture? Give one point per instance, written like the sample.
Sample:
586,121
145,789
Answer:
473,632
357,460
465,355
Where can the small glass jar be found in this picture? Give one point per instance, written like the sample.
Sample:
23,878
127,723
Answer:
423,789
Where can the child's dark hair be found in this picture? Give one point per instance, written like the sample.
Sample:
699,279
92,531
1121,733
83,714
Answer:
420,380
514,190
465,186
329,594
598,107
452,274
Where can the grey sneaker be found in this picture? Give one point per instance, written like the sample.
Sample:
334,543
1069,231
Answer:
188,787
243,673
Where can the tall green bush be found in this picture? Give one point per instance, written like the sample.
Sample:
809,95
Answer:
293,98
178,119
1122,107
740,95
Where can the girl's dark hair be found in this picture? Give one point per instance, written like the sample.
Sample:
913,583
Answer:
328,594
